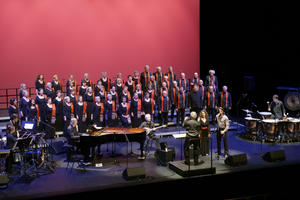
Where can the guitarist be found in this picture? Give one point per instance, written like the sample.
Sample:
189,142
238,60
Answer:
149,125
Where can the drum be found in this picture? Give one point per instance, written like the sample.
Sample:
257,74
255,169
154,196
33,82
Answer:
252,124
270,126
292,125
265,115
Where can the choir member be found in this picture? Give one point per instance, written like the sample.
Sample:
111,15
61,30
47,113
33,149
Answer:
80,110
22,88
33,112
195,99
71,84
195,80
202,89
13,107
83,89
130,84
125,93
153,83
183,82
56,84
24,105
50,113
106,82
68,112
114,95
171,76
59,105
40,101
225,100
49,90
97,88
172,95
119,76
163,88
97,115
211,102
40,82
72,96
110,111
89,98
136,111
136,78
166,79
119,86
139,91
102,94
145,77
163,107
204,132
211,79
181,104
148,105
124,113
159,76
87,80
151,91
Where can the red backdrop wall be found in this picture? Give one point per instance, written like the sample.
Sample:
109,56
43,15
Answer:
78,36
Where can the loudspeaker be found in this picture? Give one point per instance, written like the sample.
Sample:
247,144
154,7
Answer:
165,156
134,173
236,160
4,181
57,147
274,156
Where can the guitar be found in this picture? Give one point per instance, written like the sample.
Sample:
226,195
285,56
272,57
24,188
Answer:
150,130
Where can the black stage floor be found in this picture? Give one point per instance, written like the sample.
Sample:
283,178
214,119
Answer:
62,181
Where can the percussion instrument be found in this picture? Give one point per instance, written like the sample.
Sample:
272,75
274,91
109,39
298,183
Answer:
270,126
252,124
292,125
265,115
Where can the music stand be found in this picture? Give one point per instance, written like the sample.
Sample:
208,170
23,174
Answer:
28,125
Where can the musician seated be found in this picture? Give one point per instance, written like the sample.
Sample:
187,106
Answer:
277,108
15,123
11,140
149,126
72,132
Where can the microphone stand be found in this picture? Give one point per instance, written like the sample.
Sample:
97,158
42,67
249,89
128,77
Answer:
127,140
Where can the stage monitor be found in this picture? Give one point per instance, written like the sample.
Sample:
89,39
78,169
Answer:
27,125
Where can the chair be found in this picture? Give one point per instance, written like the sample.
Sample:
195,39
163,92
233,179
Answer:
73,157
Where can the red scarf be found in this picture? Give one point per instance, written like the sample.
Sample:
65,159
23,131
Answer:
209,98
184,83
162,103
226,100
183,99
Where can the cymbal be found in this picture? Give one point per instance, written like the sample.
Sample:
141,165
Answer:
247,111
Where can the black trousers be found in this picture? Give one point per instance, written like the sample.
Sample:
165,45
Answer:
219,138
180,116
204,144
212,113
164,118
173,107
187,143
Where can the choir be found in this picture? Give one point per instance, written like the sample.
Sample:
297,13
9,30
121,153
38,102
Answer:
109,102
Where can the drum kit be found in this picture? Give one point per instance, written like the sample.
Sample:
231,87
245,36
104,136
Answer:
31,153
264,128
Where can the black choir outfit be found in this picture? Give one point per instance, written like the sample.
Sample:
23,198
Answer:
59,122
140,94
195,101
49,93
80,110
154,86
114,97
225,101
103,96
124,110
136,80
211,80
73,99
185,84
41,103
71,84
173,95
211,101
181,104
88,82
33,114
159,77
89,99
194,81
39,85
136,111
50,112
171,78
68,113
13,110
110,112
131,87
98,114
119,89
82,91
163,106
204,140
148,106
126,95
24,105
56,85
97,91
106,82
145,79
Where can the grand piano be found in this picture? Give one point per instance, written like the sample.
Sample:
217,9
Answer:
97,136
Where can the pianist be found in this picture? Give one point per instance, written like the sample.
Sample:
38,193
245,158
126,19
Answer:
72,132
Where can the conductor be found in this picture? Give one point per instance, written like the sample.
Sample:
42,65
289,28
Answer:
192,137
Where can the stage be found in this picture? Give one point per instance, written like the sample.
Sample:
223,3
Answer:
109,176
